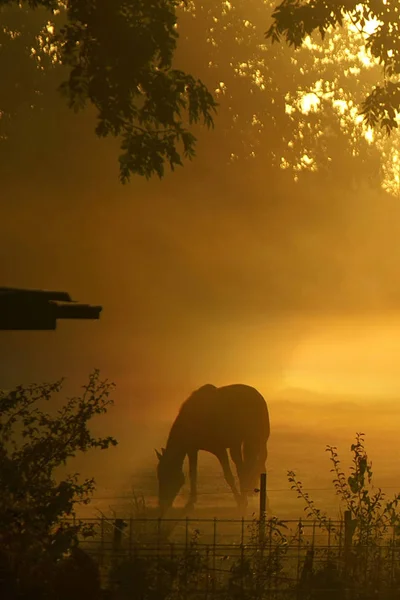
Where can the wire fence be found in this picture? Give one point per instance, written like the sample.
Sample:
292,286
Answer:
237,557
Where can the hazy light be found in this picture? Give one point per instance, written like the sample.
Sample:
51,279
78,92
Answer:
348,359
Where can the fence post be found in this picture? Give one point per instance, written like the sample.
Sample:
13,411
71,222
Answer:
348,538
263,506
263,495
130,536
102,541
119,525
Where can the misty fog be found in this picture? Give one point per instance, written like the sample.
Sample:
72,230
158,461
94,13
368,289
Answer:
232,269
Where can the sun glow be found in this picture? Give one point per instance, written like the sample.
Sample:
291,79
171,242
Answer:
317,96
348,358
309,102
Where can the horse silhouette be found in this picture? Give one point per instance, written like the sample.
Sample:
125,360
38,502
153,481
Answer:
233,417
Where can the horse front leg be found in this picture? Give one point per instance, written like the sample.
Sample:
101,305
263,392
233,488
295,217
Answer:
193,454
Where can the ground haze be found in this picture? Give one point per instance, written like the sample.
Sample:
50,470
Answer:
302,424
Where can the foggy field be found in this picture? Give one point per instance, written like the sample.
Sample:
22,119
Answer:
269,258
300,432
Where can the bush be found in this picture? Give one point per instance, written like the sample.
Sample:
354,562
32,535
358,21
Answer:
34,505
366,567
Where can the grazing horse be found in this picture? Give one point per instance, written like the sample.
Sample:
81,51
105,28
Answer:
234,418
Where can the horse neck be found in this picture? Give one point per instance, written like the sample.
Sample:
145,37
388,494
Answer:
176,445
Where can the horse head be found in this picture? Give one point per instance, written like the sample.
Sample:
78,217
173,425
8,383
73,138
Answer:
170,479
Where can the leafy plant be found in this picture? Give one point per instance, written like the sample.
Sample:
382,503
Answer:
34,505
373,516
261,569
193,574
372,525
161,576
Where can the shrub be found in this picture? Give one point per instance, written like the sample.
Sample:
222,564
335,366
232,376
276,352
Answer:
34,533
366,567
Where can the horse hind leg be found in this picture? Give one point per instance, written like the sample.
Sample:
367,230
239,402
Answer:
237,458
254,458
229,477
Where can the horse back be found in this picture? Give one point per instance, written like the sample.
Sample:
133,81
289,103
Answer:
224,416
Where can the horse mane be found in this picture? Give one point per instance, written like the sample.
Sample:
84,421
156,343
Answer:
178,425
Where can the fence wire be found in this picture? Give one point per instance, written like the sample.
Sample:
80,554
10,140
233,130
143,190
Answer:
212,558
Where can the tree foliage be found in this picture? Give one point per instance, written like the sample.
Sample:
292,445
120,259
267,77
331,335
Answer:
34,503
259,87
284,112
119,56
295,20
